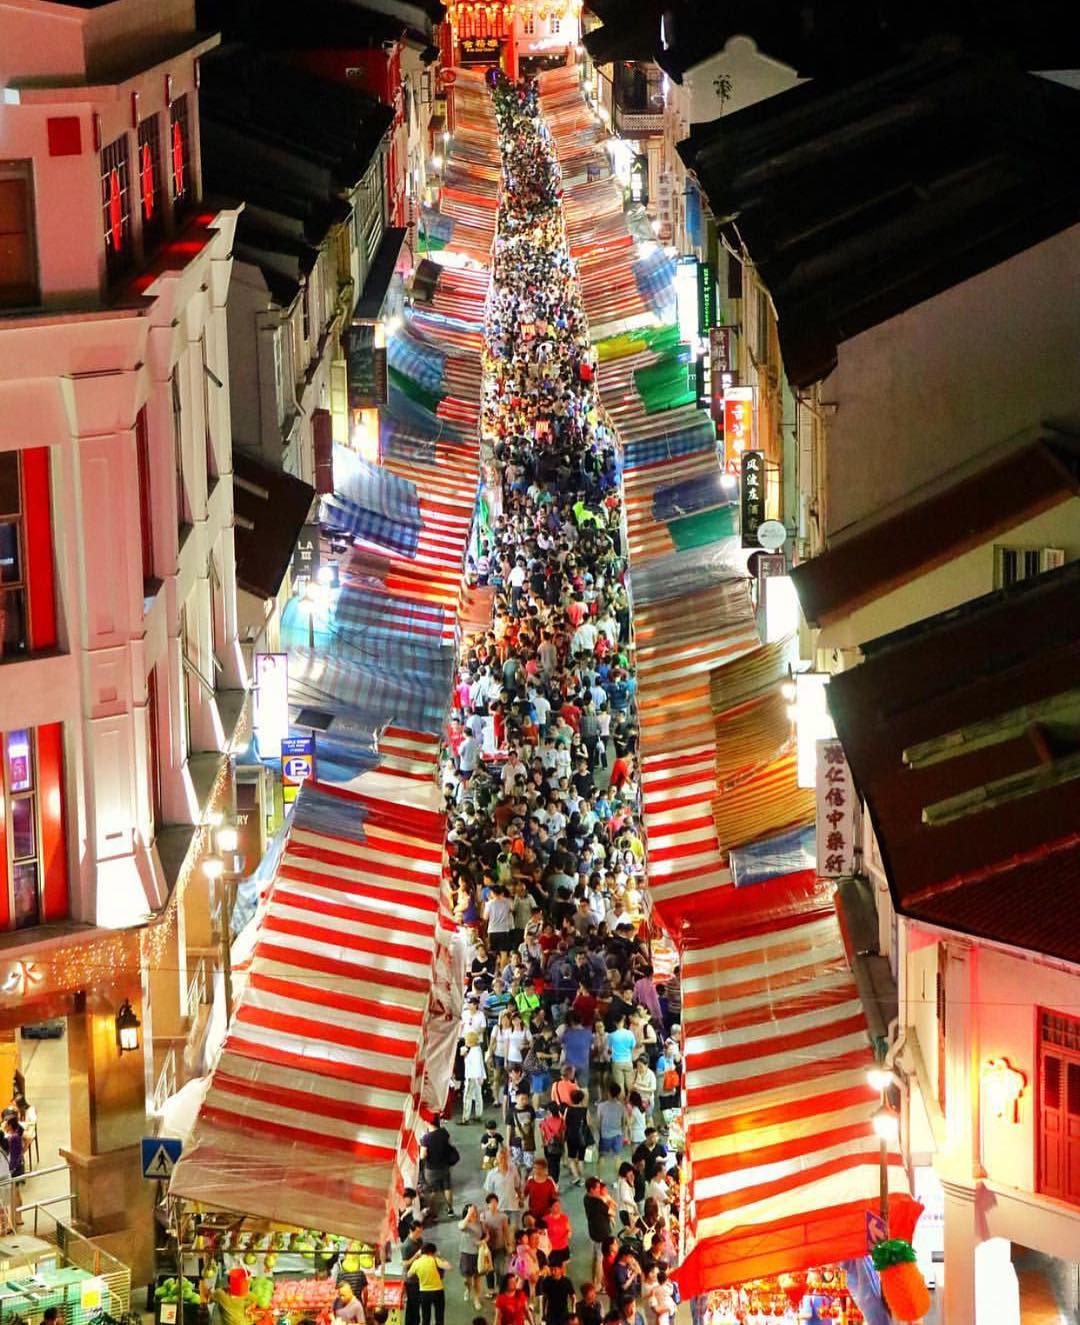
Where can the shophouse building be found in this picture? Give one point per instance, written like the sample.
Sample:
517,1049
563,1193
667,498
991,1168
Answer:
961,732
892,221
122,684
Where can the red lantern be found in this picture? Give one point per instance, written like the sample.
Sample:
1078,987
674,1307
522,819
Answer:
116,217
146,182
178,162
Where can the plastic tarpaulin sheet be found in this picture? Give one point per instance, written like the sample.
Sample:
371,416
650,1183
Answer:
783,1154
688,572
691,496
375,505
786,853
310,1105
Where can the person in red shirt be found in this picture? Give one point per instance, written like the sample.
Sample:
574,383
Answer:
585,1005
576,613
541,1193
571,715
620,772
557,1222
512,1306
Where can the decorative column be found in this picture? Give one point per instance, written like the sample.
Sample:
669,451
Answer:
961,1240
113,1204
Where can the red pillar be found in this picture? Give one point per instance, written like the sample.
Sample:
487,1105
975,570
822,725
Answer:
511,60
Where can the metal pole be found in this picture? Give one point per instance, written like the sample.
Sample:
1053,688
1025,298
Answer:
226,946
311,627
884,1176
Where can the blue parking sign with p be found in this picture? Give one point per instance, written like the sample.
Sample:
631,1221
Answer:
297,765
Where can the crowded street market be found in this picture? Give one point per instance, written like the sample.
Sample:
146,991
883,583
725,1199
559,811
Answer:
508,1038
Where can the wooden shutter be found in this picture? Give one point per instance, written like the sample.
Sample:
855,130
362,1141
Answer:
1051,1089
322,436
18,280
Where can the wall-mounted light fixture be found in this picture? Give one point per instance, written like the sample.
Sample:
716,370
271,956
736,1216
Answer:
1002,1085
127,1028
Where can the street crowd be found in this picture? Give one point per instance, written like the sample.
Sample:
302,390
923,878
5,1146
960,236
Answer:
568,1063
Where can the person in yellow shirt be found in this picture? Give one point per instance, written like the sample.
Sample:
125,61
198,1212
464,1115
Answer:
428,1270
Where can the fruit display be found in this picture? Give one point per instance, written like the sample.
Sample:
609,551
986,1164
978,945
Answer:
171,1291
309,1296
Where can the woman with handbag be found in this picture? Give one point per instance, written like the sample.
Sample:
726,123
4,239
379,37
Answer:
553,1135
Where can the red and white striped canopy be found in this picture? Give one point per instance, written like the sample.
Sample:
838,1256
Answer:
311,1105
783,1156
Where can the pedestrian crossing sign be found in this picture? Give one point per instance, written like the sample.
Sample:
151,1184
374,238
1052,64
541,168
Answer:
159,1156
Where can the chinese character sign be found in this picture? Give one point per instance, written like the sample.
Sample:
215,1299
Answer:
753,495
738,425
835,811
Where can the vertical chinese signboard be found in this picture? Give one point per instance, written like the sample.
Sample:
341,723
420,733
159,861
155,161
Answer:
753,495
835,812
722,359
365,366
738,426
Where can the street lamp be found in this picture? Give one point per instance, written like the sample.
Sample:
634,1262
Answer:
886,1125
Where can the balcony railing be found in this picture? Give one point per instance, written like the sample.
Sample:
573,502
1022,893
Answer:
166,1083
638,123
198,989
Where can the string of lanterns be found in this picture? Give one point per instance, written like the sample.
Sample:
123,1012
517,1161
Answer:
545,9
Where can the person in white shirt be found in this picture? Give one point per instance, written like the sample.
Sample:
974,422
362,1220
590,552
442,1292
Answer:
583,639
472,1019
513,769
475,1075
541,707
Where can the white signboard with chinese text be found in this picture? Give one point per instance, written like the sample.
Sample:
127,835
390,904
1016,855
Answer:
836,805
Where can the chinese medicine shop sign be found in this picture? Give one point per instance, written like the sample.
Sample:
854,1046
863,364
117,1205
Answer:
835,811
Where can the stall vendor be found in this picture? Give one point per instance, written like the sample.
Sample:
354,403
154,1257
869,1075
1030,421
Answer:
347,1306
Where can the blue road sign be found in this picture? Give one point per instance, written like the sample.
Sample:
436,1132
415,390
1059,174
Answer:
159,1156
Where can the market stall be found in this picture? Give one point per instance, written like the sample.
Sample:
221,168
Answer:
311,1111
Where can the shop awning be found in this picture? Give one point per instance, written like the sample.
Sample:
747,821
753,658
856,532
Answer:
380,274
271,508
310,1108
784,1161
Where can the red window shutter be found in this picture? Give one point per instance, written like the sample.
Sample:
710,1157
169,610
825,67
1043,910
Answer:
1071,1136
322,434
54,865
37,529
1050,1124
142,446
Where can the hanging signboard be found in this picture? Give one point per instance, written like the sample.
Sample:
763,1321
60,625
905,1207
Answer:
271,702
722,358
706,279
365,366
480,50
305,557
686,298
753,496
835,811
738,426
